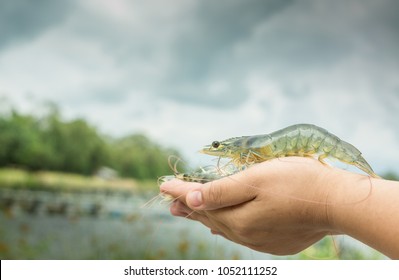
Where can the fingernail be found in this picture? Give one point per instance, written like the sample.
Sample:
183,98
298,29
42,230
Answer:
194,198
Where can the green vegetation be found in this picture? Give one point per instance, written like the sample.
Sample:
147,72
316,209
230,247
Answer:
58,181
136,156
49,143
391,176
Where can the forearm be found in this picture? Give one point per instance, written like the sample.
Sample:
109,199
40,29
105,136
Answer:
368,210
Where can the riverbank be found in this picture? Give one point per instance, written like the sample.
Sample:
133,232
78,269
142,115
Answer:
58,181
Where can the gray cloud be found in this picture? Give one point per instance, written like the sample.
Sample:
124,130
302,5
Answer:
340,42
202,52
187,55
217,26
205,51
21,20
285,41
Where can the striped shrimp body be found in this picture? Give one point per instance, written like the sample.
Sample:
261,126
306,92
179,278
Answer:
202,175
305,140
199,175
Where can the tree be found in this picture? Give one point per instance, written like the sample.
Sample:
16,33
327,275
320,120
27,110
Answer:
137,156
20,142
48,143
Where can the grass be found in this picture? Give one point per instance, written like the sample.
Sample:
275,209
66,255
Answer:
58,181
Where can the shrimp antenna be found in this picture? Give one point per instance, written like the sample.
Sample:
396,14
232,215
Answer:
173,166
220,167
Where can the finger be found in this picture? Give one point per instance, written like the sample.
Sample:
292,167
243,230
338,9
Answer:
179,189
179,209
212,224
204,219
221,193
220,234
216,226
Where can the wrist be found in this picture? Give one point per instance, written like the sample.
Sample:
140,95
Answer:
347,193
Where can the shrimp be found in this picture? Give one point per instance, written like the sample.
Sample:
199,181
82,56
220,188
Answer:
201,175
305,140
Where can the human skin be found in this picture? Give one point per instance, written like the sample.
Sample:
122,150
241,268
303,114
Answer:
285,205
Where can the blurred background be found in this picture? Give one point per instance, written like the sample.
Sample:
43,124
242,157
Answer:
95,95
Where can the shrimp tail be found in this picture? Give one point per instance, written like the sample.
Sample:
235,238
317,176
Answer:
363,165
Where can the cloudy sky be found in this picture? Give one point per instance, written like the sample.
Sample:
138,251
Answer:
186,72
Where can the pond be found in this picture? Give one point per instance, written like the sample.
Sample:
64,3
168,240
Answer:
120,225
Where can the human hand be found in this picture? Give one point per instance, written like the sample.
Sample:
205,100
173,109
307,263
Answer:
279,206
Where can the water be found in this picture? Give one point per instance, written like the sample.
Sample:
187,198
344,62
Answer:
109,225
68,225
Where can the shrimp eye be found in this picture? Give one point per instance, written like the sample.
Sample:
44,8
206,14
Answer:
215,144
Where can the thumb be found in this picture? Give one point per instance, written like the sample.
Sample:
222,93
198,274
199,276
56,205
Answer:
220,193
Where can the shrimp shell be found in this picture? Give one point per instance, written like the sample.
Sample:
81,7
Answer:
305,140
202,175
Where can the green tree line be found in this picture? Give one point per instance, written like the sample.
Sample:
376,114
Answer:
50,143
